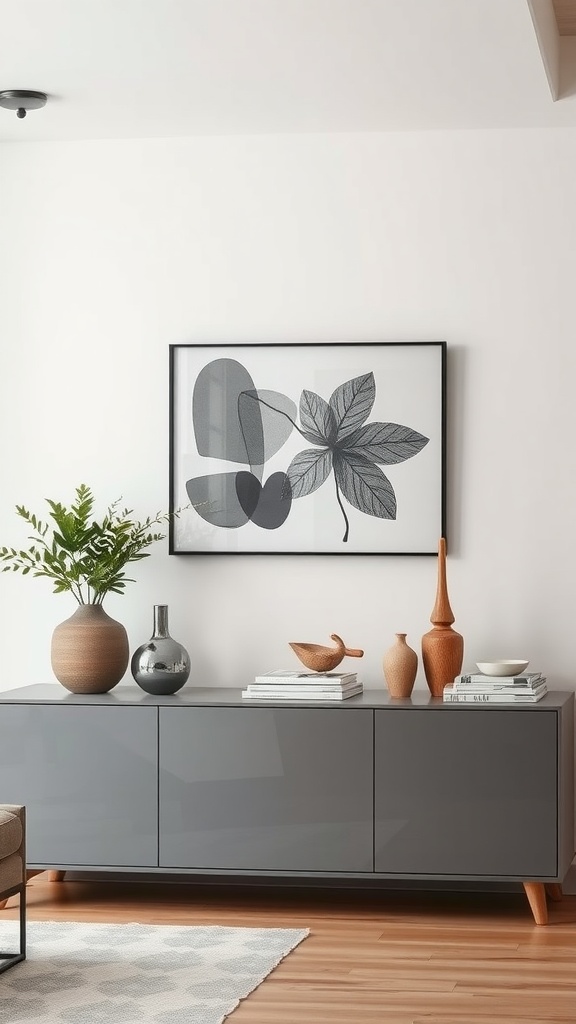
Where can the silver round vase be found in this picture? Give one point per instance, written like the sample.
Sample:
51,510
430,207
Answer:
161,666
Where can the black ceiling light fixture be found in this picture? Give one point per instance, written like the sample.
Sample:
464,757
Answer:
22,100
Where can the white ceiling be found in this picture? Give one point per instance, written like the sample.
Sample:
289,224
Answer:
153,68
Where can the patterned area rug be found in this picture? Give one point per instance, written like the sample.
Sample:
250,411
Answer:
136,973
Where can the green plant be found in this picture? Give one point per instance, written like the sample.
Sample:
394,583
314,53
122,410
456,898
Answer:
84,556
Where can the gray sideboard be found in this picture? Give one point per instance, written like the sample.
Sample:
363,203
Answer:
266,789
205,782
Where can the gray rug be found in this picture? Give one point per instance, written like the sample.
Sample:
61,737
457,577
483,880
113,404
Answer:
136,973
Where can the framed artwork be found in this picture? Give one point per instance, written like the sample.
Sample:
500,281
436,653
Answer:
307,448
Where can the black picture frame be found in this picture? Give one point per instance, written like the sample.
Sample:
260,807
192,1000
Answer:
307,448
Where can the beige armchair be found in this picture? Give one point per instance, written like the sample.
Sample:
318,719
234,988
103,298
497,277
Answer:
13,872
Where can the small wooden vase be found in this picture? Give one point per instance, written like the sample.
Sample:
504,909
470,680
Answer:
442,646
400,664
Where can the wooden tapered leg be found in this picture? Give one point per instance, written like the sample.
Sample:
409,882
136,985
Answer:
537,899
53,876
3,904
553,890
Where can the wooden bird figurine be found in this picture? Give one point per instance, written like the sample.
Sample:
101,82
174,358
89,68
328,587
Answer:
324,659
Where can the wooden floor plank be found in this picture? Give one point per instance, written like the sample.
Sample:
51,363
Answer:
390,958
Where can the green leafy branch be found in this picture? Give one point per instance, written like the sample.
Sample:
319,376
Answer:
81,555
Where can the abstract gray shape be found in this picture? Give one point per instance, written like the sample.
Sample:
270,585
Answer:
139,985
218,431
56,932
100,955
248,491
166,961
13,1009
267,943
251,963
209,937
217,988
274,503
105,1012
106,937
215,499
277,420
51,981
202,1014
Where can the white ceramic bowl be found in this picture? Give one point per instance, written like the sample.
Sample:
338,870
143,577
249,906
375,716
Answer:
502,668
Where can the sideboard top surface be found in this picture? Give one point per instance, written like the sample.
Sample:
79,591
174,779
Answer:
192,696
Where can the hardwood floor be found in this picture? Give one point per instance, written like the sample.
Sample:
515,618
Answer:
389,957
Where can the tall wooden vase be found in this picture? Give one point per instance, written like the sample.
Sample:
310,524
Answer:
442,646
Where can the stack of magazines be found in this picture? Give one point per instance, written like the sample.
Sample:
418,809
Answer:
318,686
477,688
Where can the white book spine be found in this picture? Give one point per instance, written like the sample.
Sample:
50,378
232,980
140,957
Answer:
499,688
254,688
303,680
302,695
524,679
451,696
294,688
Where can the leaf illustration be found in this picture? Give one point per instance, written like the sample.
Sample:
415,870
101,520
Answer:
259,422
308,470
352,403
317,420
386,443
364,485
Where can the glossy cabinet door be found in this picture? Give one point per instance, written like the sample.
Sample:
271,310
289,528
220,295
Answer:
88,778
266,789
468,792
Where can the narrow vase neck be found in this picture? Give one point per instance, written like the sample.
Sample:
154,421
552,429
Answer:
161,620
442,613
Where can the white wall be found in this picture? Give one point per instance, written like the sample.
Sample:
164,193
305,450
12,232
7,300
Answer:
110,251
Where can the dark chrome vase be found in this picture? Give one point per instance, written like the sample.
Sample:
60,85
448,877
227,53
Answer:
161,666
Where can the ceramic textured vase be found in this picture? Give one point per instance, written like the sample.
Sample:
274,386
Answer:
161,666
90,651
400,664
442,646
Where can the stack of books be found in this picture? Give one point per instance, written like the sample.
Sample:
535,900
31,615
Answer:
318,686
477,688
